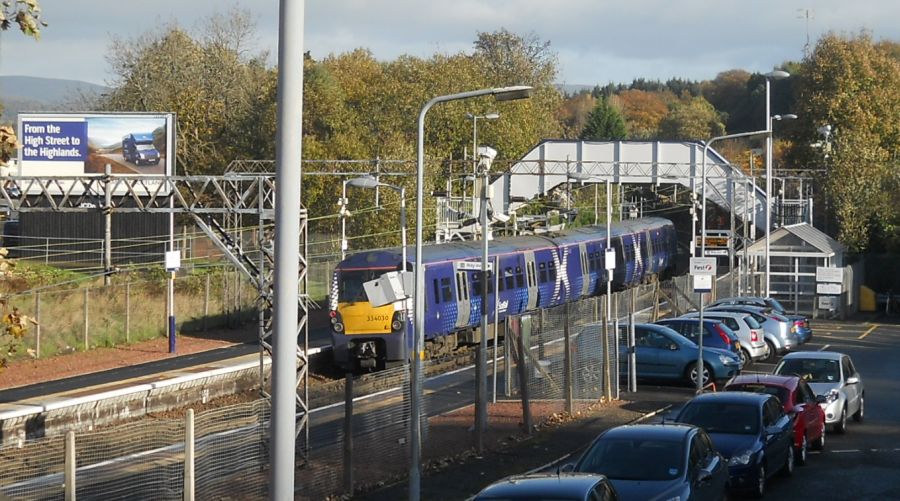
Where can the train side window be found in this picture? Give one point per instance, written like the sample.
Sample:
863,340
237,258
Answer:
490,280
459,292
552,267
508,277
446,291
543,272
592,261
437,292
520,278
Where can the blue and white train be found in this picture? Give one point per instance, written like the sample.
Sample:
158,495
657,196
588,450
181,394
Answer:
535,272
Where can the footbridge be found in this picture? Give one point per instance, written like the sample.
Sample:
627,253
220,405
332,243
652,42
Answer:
554,162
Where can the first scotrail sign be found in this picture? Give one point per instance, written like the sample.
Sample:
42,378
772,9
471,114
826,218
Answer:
703,266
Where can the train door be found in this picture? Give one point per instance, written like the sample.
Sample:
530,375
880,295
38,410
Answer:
531,280
463,303
585,270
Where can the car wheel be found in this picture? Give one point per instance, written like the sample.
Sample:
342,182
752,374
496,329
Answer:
820,443
788,469
759,490
841,426
745,358
860,413
692,374
772,352
802,450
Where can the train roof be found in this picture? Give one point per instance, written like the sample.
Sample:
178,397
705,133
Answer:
390,258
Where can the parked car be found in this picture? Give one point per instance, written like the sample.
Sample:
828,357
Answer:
715,333
747,329
833,375
569,486
661,353
750,430
780,334
798,399
661,461
801,322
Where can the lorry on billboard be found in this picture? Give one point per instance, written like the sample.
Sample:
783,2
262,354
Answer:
138,148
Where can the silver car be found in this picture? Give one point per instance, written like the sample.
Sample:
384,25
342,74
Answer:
751,334
833,375
779,333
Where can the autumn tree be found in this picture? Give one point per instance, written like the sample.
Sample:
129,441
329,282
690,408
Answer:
691,119
603,124
643,112
853,85
573,113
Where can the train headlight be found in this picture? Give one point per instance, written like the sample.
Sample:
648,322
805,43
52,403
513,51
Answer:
338,327
396,325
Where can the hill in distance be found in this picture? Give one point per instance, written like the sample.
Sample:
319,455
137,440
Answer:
23,93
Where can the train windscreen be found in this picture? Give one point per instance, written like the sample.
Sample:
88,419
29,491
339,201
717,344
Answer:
351,288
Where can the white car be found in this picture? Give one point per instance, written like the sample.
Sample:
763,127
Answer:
833,375
747,329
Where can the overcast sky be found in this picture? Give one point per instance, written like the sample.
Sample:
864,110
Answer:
598,41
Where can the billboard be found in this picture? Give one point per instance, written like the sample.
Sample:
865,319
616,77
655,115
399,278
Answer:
83,144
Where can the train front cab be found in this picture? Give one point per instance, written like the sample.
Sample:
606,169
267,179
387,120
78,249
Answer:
364,337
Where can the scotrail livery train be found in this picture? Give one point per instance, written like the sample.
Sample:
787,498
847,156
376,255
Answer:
534,272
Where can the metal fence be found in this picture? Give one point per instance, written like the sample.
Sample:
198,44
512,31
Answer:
361,438
226,458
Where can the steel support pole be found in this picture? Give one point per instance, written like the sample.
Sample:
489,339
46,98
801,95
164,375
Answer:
107,228
496,333
768,184
288,158
607,390
481,360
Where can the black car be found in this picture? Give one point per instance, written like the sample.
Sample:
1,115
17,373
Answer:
662,461
751,430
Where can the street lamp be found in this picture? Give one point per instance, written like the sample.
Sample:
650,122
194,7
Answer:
500,94
370,182
772,75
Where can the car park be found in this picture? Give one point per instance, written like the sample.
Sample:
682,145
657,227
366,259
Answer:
779,333
750,333
555,486
834,376
801,322
663,354
661,461
715,333
750,430
798,400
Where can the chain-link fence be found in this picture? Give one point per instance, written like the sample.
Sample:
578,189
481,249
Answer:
371,445
147,459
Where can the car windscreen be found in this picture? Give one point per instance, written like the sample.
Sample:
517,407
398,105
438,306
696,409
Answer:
751,322
720,417
778,391
811,370
634,459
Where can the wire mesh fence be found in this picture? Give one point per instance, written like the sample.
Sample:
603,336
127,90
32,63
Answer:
371,446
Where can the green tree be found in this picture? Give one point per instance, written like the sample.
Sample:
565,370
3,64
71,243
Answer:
26,14
853,85
604,123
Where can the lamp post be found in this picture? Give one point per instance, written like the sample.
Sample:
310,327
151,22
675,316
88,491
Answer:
772,75
500,94
487,116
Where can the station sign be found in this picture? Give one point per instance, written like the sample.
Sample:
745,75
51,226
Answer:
827,288
472,266
702,283
829,274
703,266
828,302
716,252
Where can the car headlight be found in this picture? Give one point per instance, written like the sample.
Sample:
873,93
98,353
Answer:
725,359
832,396
740,459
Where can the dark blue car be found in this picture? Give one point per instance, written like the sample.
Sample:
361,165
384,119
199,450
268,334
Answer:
715,333
662,353
750,430
658,461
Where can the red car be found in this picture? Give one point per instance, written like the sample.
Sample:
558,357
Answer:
798,400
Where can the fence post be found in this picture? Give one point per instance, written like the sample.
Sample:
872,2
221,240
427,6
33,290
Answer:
632,362
206,303
86,345
348,434
507,357
127,312
523,375
189,454
225,310
37,328
70,466
567,360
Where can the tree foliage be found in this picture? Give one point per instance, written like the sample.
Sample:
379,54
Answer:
853,85
26,14
643,111
604,123
691,119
